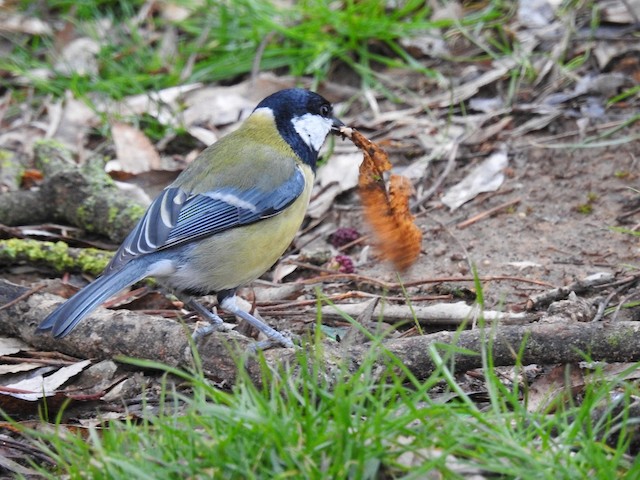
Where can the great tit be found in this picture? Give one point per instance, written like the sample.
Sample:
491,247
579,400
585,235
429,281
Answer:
227,218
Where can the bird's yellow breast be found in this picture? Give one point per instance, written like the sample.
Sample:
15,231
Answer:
240,255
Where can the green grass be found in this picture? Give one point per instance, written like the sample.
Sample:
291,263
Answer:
311,422
376,420
304,39
349,41
353,41
368,424
311,37
225,40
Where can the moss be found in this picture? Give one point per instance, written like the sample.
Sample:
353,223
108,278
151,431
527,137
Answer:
94,172
10,248
112,214
93,261
6,158
55,255
48,150
585,208
133,212
9,163
616,341
84,214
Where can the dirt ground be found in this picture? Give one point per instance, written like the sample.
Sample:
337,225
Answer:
560,205
558,233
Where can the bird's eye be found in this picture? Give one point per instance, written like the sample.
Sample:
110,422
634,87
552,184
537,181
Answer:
325,110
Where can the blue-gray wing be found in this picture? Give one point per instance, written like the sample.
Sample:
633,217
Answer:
177,217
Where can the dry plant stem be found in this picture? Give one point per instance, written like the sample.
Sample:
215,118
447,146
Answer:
624,216
394,285
451,162
25,295
488,213
614,316
42,361
191,61
603,304
268,306
542,142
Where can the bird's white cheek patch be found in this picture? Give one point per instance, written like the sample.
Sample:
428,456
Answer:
313,129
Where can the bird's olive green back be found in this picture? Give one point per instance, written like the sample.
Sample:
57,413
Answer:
220,164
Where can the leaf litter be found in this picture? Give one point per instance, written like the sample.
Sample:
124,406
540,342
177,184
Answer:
438,135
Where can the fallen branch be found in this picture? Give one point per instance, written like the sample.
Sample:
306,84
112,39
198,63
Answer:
57,256
108,334
544,299
82,196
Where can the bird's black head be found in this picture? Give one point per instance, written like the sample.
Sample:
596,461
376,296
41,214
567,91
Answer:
304,119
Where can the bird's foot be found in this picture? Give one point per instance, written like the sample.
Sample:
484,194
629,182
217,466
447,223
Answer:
212,323
274,337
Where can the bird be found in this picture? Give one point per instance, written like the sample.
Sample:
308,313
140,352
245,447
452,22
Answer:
226,219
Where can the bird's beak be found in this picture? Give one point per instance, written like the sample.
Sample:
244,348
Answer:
335,125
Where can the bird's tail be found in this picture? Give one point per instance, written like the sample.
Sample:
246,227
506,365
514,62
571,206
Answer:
65,318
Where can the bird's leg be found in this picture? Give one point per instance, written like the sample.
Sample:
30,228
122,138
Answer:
227,301
215,322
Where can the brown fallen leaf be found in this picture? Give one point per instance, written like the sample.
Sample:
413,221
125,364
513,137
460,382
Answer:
396,236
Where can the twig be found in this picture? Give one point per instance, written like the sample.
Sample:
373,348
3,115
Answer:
273,305
42,361
451,161
603,305
22,297
395,285
488,213
135,335
543,299
572,133
353,243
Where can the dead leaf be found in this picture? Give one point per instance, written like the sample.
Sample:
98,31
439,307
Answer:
615,11
134,151
548,388
17,23
40,386
71,121
397,238
12,368
79,57
11,346
486,177
161,105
